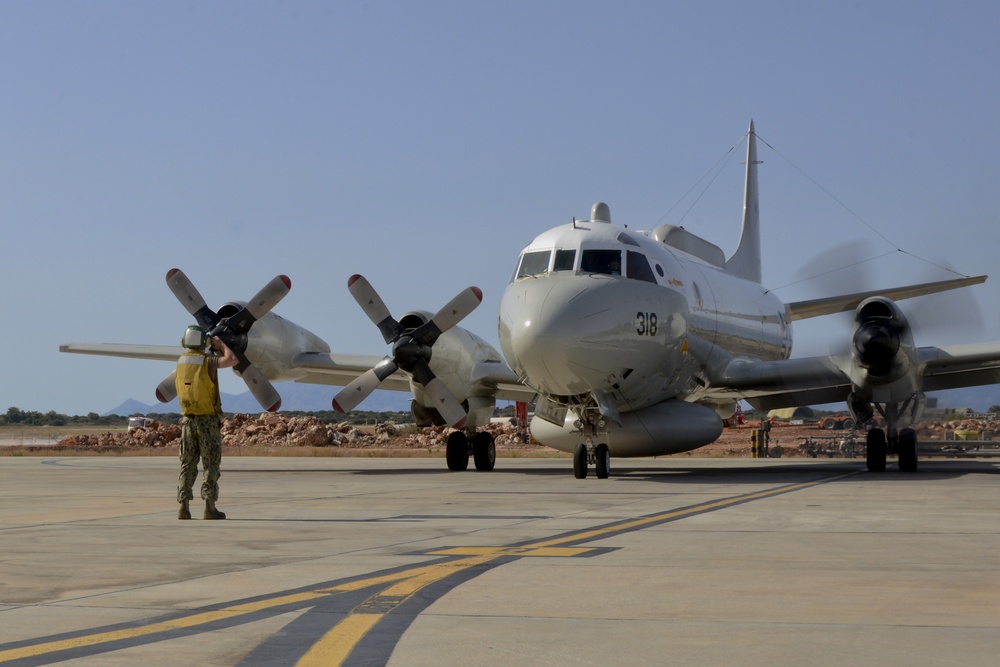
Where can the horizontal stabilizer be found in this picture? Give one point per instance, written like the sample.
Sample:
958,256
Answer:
801,310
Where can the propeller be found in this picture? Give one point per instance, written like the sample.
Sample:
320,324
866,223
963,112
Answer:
411,349
232,331
876,343
850,267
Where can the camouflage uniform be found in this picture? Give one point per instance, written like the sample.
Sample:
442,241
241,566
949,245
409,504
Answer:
200,434
200,437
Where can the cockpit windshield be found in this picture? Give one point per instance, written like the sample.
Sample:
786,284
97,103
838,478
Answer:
565,259
606,262
599,261
533,263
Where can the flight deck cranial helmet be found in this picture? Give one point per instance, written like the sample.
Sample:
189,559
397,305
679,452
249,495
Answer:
194,338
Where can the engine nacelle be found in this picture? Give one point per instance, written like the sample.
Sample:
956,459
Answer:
457,358
273,343
884,365
881,343
665,428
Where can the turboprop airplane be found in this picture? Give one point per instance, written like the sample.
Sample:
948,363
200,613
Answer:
630,343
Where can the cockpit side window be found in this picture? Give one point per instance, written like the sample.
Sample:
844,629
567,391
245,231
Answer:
607,262
638,267
564,260
534,263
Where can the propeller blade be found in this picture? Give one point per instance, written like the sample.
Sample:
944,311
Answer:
166,391
260,305
374,307
442,399
451,314
191,299
350,396
445,403
260,387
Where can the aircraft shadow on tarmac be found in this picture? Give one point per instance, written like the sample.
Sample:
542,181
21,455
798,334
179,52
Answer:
680,473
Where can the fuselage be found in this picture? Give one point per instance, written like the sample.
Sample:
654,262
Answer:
600,315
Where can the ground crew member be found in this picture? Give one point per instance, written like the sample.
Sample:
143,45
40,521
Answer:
765,437
197,383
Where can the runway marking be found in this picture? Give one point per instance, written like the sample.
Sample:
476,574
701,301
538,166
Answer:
392,589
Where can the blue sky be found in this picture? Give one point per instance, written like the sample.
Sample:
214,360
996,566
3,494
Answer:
423,144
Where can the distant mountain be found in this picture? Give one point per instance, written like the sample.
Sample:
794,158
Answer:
295,396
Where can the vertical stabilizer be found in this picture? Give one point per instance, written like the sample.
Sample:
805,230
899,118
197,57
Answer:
745,262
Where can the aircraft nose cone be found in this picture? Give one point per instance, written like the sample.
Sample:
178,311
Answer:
551,330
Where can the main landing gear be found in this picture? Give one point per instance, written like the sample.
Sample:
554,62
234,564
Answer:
903,445
481,447
586,454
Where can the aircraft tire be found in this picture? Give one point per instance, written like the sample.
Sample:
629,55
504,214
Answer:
602,463
484,451
580,461
457,451
876,450
907,448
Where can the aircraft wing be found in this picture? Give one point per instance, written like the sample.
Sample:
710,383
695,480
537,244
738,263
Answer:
956,366
489,378
768,385
126,350
825,379
342,369
801,310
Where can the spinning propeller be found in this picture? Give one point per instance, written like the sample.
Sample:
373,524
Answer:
411,350
232,331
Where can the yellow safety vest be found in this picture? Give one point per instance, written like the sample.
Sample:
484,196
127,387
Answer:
197,391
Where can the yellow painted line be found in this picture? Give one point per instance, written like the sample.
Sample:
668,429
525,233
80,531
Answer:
543,552
635,524
164,626
343,637
336,645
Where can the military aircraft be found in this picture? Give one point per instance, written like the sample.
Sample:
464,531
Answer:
630,343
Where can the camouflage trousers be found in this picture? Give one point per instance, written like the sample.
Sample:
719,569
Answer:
200,438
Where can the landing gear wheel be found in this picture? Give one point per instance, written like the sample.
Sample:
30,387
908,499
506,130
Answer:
457,451
580,461
602,461
876,450
907,450
484,451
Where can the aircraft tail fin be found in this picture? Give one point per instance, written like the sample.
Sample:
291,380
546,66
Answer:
745,262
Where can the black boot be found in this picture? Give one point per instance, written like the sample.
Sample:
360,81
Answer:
212,512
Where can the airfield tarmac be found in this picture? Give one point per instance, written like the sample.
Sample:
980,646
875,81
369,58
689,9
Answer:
362,561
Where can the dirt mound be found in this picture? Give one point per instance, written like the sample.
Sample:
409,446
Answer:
270,430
